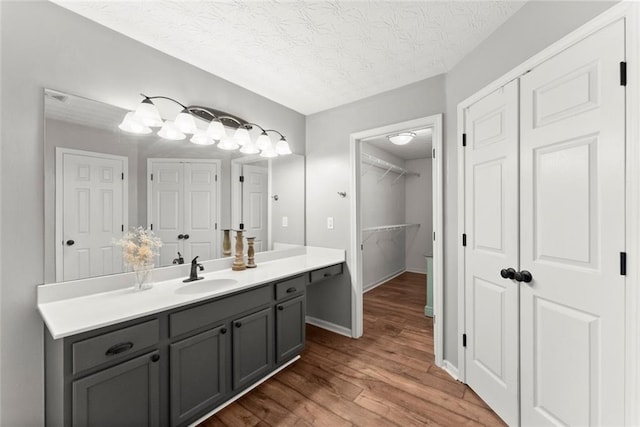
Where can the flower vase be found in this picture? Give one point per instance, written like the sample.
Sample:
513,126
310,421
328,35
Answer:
143,276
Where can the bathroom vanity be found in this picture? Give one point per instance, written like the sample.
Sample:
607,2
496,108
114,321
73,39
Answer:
171,355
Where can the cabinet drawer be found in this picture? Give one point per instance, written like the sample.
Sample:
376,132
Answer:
290,287
114,345
325,273
215,311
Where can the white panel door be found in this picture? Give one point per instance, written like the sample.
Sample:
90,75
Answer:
491,225
254,204
166,212
201,210
572,232
93,217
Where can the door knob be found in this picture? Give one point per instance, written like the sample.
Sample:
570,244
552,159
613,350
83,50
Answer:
186,236
71,242
180,236
507,273
523,276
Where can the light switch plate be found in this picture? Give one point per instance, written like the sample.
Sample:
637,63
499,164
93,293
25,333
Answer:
330,222
285,221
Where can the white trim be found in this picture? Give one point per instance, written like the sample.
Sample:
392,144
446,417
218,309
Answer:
461,251
239,395
332,327
383,281
355,259
450,369
59,198
416,271
629,10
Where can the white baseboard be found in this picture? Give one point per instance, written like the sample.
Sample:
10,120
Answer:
416,271
383,281
329,326
239,395
450,369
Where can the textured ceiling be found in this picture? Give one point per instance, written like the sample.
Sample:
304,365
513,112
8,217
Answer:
308,55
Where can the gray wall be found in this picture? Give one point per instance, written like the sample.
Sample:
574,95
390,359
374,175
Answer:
287,182
535,26
42,46
419,209
329,171
382,201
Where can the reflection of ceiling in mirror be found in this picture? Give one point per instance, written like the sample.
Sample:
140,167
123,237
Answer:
418,148
81,111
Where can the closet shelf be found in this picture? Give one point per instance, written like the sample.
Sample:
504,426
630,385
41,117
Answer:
390,167
372,230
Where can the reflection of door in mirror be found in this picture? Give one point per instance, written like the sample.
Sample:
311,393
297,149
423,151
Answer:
254,205
91,194
184,207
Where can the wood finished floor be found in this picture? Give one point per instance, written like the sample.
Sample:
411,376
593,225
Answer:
386,378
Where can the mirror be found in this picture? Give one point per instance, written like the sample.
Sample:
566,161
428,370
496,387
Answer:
101,182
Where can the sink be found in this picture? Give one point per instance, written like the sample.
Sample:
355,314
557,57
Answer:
205,286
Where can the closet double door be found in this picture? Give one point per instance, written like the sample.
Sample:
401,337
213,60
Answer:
183,208
545,228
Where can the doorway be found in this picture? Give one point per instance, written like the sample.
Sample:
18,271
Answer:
381,227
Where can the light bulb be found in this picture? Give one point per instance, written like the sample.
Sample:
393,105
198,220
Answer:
269,152
148,113
282,147
263,141
216,130
185,122
249,148
228,144
242,136
170,131
201,138
131,124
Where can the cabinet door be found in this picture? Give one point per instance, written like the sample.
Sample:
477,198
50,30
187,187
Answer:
127,394
252,347
290,326
198,367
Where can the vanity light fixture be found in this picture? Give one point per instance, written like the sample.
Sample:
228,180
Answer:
401,138
147,116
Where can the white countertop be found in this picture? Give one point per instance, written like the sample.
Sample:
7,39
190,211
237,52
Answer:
71,314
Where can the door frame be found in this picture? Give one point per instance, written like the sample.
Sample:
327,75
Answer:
217,162
59,197
630,12
355,258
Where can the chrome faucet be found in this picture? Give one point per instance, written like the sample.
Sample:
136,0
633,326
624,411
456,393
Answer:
193,276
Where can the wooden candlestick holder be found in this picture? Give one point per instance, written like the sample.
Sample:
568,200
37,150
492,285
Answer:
251,261
226,243
238,262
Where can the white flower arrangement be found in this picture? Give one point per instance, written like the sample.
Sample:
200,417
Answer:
139,246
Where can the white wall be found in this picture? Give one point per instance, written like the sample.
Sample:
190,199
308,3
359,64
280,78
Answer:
535,26
383,203
43,45
329,171
419,210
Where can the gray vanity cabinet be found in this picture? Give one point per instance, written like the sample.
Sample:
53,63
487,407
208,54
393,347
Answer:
252,347
126,394
290,328
198,371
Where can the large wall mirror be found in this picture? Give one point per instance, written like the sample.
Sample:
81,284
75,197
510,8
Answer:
101,182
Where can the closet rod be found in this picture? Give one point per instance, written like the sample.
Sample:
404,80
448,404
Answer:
373,230
383,164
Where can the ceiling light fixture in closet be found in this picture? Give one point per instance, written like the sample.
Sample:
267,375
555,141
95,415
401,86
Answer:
401,138
147,116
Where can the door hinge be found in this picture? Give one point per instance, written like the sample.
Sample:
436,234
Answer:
241,226
151,177
434,235
464,139
241,178
464,340
623,73
433,153
216,226
123,176
464,239
362,246
151,227
122,228
623,263
216,177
